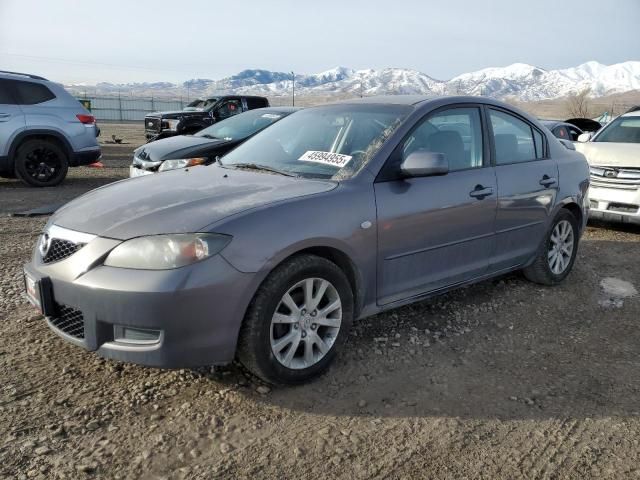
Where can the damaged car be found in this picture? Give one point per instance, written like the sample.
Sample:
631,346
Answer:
332,214
613,154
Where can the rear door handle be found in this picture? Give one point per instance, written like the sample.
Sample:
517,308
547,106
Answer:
480,192
547,181
4,115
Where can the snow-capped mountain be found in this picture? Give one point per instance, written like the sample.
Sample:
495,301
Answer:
525,82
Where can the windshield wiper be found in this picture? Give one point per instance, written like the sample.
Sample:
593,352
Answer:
206,135
255,166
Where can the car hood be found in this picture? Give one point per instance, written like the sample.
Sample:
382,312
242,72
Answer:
164,114
608,154
181,146
179,201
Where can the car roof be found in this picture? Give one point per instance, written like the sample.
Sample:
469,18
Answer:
631,114
13,75
283,109
417,100
391,99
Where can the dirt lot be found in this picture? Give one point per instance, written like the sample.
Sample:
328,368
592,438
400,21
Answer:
504,379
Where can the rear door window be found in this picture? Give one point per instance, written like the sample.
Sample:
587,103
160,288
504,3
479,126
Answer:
30,93
561,132
6,96
228,108
514,139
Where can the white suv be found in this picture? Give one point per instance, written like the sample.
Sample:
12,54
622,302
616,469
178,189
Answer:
614,159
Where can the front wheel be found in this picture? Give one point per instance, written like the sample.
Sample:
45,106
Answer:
296,321
557,254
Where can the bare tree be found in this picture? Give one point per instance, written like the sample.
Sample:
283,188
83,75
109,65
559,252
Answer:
579,104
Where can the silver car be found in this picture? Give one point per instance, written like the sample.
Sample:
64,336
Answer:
334,213
43,130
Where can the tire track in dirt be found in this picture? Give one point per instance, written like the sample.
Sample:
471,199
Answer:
553,448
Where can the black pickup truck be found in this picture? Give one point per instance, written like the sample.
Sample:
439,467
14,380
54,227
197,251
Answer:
159,125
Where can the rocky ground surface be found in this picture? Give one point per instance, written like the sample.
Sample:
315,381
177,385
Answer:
504,379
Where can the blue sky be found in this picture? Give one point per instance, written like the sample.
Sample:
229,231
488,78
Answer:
175,40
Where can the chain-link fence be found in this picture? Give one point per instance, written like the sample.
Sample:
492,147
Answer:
126,108
129,108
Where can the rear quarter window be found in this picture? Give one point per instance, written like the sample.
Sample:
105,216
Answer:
257,103
30,93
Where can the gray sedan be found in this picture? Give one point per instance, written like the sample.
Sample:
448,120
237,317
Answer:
332,214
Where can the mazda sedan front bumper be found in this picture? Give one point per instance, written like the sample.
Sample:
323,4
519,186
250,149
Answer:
185,317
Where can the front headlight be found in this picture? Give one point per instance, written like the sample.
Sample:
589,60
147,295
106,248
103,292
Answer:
164,252
170,124
181,163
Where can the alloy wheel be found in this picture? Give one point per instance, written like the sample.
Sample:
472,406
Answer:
561,246
306,323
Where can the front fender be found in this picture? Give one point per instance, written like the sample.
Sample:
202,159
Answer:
342,219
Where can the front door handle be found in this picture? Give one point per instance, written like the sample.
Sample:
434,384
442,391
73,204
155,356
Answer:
480,192
547,181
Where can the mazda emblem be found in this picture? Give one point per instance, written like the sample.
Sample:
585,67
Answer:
611,173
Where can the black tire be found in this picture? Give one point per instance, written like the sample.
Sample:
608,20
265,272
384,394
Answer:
41,163
254,344
540,271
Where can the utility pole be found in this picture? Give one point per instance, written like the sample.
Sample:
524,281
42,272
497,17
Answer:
293,89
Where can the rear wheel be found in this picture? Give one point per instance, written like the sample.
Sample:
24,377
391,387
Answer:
557,253
41,163
296,321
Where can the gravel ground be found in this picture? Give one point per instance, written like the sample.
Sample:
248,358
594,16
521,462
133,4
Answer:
504,379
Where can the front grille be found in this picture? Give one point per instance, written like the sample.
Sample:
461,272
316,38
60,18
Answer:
70,321
623,207
618,178
599,182
152,124
61,249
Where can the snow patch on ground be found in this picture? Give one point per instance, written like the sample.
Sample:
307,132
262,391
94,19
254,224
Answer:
615,291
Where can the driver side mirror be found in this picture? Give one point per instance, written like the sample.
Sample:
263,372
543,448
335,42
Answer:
585,137
422,163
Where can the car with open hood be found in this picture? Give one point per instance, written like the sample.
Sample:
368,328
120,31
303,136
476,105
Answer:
563,130
613,154
334,213
203,147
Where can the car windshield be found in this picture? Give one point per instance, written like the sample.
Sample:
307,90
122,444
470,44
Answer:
621,130
201,104
334,141
242,125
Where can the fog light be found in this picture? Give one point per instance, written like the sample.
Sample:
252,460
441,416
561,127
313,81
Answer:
138,336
